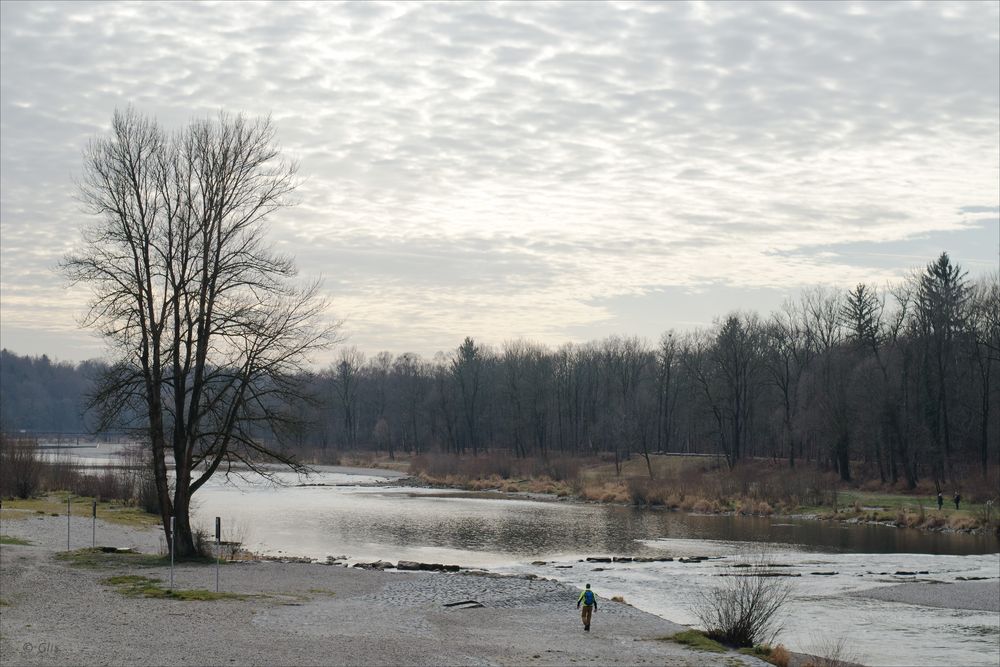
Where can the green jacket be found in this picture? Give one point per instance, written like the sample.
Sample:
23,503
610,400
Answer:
580,599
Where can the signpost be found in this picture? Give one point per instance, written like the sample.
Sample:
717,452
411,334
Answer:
93,527
172,541
69,511
218,550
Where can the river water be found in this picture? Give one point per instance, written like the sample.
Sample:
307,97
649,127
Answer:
339,512
359,514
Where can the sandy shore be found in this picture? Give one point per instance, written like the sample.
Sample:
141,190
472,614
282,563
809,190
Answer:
973,595
303,614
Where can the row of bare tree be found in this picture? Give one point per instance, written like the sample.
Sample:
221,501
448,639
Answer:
902,382
211,335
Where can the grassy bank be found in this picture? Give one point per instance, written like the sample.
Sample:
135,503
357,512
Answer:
54,504
332,457
703,484
134,585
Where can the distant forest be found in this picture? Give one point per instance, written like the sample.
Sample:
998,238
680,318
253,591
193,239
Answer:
896,384
38,395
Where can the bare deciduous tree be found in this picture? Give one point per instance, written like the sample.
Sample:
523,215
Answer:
984,322
209,330
346,375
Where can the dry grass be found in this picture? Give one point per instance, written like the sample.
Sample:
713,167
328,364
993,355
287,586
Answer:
752,507
706,506
832,651
498,464
54,504
779,656
705,485
542,485
498,472
399,461
604,491
959,522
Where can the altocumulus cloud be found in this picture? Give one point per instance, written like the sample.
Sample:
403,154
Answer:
507,170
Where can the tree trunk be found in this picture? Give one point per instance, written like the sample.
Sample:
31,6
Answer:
843,457
184,537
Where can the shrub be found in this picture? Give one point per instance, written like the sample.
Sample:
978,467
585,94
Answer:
832,652
753,507
59,474
705,506
988,515
325,457
780,656
978,488
106,485
204,543
148,498
643,491
20,468
743,610
959,522
604,491
558,468
637,490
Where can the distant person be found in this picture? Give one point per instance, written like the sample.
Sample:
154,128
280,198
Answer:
940,501
958,499
589,601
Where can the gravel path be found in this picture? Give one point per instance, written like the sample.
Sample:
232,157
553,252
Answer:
304,614
974,595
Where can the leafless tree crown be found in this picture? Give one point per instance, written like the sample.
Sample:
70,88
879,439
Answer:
209,329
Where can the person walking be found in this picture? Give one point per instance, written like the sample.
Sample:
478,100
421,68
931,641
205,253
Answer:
940,501
589,601
958,499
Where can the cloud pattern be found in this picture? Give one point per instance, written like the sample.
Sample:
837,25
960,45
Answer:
516,169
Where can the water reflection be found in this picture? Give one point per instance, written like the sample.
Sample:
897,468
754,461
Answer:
506,534
315,521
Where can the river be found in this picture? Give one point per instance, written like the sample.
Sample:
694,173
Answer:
341,512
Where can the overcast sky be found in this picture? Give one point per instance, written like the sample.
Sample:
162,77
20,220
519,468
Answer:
558,172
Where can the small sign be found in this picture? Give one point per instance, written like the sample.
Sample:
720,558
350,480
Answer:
218,529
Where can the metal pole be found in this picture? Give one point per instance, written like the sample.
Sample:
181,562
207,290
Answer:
172,540
69,511
93,526
218,550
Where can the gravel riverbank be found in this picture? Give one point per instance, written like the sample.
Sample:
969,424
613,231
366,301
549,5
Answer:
303,614
973,595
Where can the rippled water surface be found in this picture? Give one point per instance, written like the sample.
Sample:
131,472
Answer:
342,512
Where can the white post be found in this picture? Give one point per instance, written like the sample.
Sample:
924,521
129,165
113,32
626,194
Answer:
173,540
93,526
69,511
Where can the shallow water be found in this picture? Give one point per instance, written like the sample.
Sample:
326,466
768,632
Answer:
347,516
339,510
